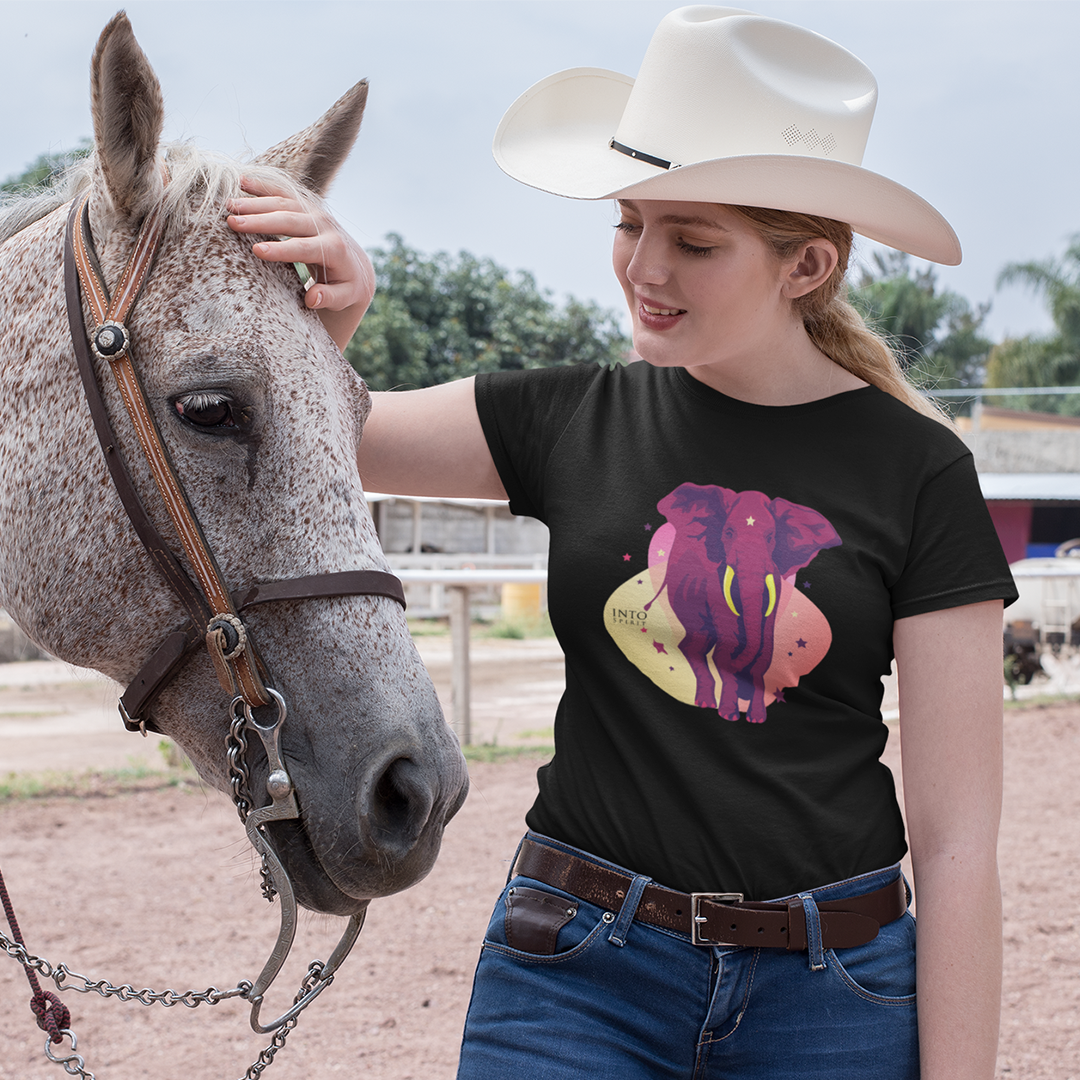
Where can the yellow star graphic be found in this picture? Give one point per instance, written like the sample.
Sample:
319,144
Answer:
749,521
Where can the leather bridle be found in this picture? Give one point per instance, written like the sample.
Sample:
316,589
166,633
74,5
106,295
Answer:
213,609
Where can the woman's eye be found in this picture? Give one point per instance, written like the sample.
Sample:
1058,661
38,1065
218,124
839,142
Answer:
627,227
206,410
693,249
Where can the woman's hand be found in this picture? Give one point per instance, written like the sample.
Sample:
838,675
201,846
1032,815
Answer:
343,278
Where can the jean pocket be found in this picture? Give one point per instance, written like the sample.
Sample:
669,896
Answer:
882,970
534,922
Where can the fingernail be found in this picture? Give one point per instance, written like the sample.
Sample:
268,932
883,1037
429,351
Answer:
318,299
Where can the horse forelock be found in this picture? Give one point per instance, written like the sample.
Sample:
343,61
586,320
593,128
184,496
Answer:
200,182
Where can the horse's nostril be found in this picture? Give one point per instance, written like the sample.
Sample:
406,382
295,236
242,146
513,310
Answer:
391,798
401,804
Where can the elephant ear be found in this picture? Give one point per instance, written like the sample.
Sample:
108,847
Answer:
689,501
800,534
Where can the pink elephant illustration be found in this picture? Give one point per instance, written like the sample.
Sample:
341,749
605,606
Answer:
731,551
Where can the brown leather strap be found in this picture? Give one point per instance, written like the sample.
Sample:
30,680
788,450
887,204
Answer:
242,665
167,563
158,671
316,586
778,925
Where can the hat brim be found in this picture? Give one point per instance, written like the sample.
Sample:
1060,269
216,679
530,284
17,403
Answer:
555,137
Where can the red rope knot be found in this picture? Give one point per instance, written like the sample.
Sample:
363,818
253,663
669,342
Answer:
52,1014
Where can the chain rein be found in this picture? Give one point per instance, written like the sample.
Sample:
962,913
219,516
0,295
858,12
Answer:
64,978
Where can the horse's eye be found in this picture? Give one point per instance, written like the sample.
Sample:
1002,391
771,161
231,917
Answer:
206,410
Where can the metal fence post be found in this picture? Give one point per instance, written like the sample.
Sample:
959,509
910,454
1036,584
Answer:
460,690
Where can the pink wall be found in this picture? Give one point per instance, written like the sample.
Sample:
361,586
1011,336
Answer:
1013,523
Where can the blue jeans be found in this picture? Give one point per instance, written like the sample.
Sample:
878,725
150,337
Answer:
625,1000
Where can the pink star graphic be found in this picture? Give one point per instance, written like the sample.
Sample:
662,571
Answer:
626,558
659,647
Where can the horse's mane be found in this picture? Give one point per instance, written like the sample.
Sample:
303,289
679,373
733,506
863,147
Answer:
199,183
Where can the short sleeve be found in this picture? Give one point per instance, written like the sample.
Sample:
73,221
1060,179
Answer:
523,415
954,557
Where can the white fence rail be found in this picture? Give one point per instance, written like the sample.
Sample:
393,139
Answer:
458,584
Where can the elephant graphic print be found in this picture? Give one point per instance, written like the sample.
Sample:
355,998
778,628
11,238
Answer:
720,619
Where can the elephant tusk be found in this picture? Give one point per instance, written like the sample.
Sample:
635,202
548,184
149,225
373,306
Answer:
770,582
729,577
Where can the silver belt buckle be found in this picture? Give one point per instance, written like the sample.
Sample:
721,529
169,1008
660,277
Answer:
696,918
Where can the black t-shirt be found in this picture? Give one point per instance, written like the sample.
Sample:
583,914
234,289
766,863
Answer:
723,580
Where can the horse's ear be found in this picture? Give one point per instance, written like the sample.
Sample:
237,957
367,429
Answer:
128,112
314,155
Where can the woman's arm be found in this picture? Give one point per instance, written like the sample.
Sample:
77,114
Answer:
428,442
344,279
950,680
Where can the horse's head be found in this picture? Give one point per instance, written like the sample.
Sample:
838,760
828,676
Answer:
261,417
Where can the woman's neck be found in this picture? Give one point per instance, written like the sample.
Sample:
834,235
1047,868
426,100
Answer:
792,373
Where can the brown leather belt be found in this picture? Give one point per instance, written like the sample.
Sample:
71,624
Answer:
718,918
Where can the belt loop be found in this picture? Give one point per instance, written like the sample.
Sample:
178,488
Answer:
513,861
628,910
813,932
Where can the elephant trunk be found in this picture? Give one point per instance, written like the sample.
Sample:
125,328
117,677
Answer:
752,598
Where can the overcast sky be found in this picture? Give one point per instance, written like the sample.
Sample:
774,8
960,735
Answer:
978,111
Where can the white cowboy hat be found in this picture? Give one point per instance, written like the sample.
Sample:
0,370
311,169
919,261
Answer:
727,107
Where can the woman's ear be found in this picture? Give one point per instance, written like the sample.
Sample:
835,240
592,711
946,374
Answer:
810,268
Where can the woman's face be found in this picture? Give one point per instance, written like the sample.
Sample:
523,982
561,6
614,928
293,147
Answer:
704,290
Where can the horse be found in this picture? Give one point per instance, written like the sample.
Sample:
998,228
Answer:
261,418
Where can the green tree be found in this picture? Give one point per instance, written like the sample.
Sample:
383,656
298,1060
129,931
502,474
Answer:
442,318
1049,359
938,334
44,168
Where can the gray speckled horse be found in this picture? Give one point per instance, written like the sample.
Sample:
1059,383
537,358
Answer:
261,417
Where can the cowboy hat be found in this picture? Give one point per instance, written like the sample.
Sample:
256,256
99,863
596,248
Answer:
728,107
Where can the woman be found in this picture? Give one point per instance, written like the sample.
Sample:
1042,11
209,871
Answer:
745,529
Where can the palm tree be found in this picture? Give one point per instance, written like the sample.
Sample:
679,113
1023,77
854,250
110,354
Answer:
1050,359
937,333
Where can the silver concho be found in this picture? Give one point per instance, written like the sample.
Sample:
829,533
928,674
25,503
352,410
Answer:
110,340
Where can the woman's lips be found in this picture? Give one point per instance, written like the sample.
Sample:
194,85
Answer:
658,316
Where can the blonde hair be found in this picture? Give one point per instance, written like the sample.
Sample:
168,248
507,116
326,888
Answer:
834,326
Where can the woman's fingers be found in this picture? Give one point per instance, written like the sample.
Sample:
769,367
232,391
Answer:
344,281
328,252
273,220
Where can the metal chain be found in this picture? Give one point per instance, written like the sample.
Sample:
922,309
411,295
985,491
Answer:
75,1065
61,973
266,1058
66,979
239,778
236,756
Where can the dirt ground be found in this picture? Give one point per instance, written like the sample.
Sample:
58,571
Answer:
157,887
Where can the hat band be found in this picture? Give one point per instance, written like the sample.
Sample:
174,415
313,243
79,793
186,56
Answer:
640,155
